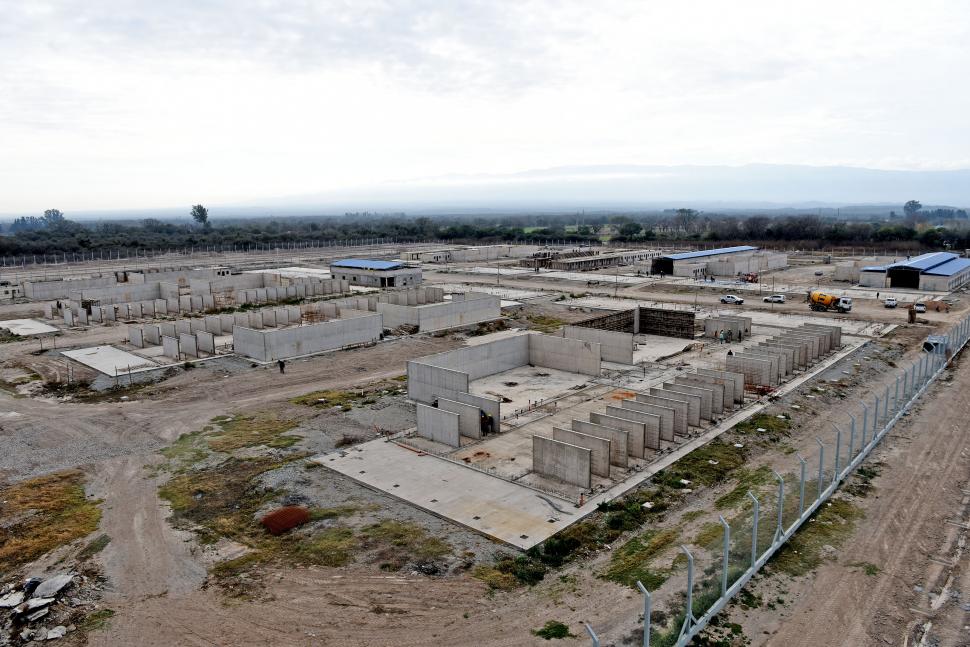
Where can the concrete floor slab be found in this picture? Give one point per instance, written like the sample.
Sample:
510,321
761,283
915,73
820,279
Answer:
517,515
521,387
27,327
110,360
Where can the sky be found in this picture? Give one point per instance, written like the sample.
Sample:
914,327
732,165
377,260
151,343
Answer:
114,104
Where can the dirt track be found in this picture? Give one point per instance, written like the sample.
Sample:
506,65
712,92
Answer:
922,486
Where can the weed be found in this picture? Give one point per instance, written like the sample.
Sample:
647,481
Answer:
553,629
709,534
331,398
411,541
748,480
868,568
775,428
251,431
544,323
43,513
708,465
319,514
97,620
632,562
94,547
331,547
829,526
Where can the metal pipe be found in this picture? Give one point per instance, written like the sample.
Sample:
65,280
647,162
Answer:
724,558
754,531
821,464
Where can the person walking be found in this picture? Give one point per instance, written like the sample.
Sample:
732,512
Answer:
282,366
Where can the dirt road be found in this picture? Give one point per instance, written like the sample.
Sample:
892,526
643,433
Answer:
914,534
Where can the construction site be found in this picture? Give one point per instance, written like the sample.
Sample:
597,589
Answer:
503,444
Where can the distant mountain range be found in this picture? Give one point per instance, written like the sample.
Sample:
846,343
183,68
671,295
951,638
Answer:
755,186
766,187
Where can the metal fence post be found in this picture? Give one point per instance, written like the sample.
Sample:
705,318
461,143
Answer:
647,601
896,396
725,557
780,528
592,635
865,422
875,418
838,450
689,619
821,465
885,405
851,438
906,383
754,531
801,487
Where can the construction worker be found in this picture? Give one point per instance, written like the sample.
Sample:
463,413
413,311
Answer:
282,366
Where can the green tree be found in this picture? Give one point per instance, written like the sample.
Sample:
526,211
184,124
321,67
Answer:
53,218
201,215
911,209
630,229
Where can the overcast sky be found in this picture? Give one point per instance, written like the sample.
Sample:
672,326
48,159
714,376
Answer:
109,104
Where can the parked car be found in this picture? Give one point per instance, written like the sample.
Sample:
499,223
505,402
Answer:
774,298
890,303
919,307
732,298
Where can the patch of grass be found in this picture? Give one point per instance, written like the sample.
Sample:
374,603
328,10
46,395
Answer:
188,450
544,323
251,431
748,479
709,534
553,629
331,398
860,484
94,547
775,428
632,562
708,465
97,620
494,578
690,516
399,542
331,547
43,513
220,501
868,568
830,526
319,514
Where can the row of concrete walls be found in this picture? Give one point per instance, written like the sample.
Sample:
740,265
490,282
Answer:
568,463
633,428
649,426
664,414
614,346
283,343
678,407
439,425
755,370
618,438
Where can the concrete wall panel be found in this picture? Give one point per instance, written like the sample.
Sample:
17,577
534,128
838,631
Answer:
693,401
188,345
599,448
680,408
469,423
205,342
170,347
573,355
136,336
439,425
737,378
717,391
614,346
632,427
667,416
491,406
651,426
619,440
559,460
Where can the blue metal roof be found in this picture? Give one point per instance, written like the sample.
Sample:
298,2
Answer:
949,268
365,264
711,252
925,262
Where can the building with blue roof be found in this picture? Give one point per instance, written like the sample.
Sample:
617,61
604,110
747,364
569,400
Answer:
935,271
722,261
375,273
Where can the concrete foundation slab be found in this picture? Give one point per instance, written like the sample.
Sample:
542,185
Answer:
110,360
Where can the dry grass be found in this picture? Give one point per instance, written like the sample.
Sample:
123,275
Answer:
634,560
250,431
41,514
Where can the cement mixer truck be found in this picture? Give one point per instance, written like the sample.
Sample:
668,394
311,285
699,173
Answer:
821,302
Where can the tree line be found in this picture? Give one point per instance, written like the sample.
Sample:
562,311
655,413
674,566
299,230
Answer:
54,232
